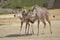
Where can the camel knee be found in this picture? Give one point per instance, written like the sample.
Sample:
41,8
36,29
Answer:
44,24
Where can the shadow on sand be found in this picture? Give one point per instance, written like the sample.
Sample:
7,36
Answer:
2,24
16,35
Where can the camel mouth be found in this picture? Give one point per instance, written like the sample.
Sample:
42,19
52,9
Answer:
31,21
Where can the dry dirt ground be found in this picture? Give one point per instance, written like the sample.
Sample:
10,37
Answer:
10,28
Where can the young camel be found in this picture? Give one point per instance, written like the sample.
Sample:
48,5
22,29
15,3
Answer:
24,16
43,15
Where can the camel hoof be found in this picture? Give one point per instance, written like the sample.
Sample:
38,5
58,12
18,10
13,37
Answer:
42,33
37,34
51,32
33,33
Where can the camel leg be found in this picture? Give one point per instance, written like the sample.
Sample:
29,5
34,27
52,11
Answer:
26,27
21,26
32,28
44,25
49,24
38,26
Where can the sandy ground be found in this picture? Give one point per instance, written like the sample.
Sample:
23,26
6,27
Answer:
10,28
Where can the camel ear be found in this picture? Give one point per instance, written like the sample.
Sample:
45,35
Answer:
23,11
13,12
